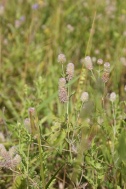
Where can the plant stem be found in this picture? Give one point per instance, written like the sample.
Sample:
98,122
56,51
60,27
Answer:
114,126
28,165
41,160
63,70
93,75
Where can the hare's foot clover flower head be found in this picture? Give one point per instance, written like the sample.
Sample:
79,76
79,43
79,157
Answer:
88,63
31,111
12,151
112,97
70,71
107,67
62,82
16,160
84,97
61,58
105,77
100,61
9,159
62,90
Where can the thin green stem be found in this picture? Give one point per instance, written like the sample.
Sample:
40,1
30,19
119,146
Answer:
41,160
67,112
78,115
63,71
93,75
114,119
114,127
28,165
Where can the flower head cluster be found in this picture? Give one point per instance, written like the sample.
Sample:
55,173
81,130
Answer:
62,90
61,58
100,61
112,96
31,111
9,159
70,71
107,67
88,63
105,77
84,97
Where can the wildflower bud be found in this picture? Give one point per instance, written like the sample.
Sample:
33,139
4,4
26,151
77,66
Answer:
105,77
100,61
70,71
31,111
107,67
112,97
88,63
84,97
62,90
61,58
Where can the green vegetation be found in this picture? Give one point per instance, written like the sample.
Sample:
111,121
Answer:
62,126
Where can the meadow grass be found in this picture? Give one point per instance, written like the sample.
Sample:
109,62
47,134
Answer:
62,94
